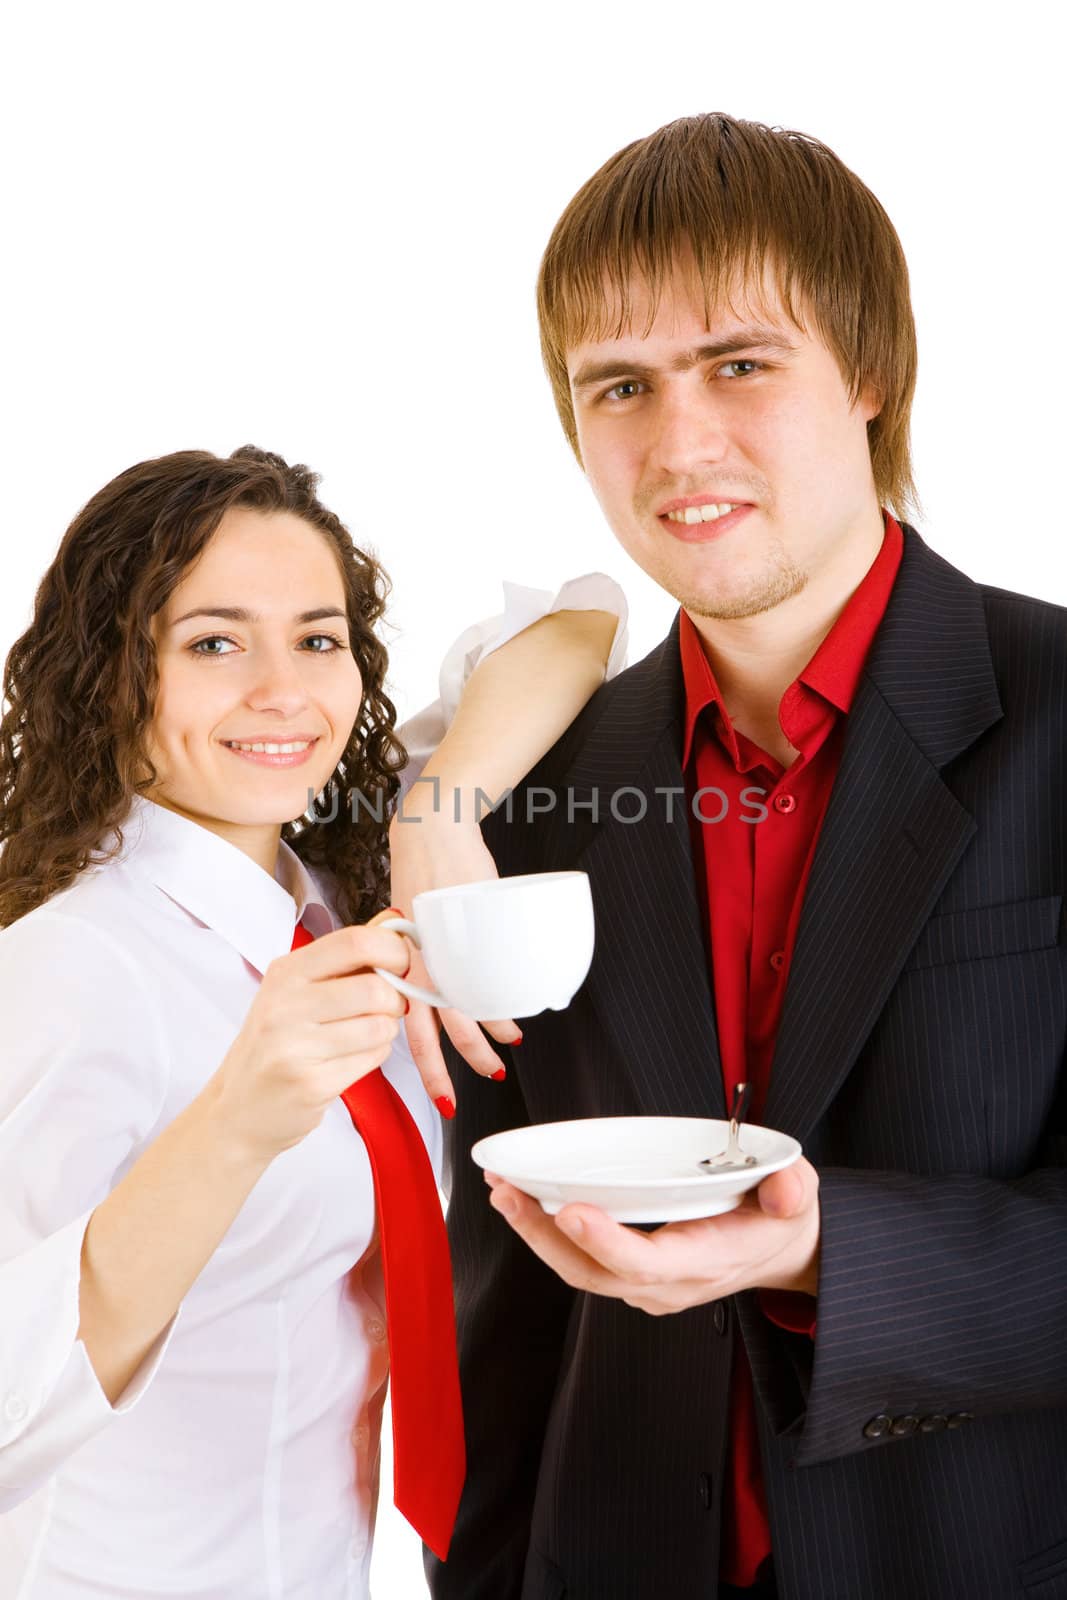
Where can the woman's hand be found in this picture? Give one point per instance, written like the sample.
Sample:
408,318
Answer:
515,705
428,850
321,1020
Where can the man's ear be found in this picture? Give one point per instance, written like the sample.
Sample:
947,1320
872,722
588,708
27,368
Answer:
871,399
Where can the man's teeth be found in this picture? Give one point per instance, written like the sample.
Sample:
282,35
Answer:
271,749
693,514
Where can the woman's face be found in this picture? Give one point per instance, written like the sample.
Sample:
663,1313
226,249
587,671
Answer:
252,648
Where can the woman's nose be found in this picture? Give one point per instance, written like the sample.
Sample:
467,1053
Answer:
277,684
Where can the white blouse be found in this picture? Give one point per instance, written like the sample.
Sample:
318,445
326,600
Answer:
241,1460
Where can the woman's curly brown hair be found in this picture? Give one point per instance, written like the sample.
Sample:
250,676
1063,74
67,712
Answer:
81,682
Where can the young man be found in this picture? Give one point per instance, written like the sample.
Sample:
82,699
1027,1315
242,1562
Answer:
854,1386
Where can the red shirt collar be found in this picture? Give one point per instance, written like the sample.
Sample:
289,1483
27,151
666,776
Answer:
832,673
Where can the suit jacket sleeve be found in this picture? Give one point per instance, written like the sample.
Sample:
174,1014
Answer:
938,1296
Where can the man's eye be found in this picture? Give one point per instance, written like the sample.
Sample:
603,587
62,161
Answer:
624,391
752,366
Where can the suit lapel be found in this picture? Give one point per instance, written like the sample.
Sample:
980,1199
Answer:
893,832
892,835
649,981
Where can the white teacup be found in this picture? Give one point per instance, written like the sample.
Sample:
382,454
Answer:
502,948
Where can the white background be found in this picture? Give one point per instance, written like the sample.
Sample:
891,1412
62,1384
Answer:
316,228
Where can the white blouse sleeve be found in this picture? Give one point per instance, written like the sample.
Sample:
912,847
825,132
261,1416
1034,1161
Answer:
81,1088
594,591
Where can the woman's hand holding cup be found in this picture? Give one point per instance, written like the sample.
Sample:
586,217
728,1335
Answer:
322,1019
521,944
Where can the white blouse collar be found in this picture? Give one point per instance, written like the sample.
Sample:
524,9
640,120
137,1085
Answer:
221,886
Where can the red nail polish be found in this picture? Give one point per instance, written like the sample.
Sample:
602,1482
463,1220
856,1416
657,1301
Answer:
498,1077
445,1106
518,1040
407,1005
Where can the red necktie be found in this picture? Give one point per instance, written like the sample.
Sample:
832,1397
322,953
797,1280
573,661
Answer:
429,1461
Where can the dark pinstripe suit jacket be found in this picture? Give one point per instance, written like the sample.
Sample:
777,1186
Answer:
919,1059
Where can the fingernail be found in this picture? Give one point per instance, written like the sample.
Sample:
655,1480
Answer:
407,1005
395,910
498,1077
445,1106
517,1039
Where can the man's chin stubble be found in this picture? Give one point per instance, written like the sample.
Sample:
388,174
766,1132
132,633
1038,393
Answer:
763,594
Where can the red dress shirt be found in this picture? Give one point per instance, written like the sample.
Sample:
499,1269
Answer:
754,874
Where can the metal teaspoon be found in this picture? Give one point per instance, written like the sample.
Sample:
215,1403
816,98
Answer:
733,1155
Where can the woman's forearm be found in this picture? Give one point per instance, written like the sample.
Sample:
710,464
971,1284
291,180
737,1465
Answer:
515,706
149,1240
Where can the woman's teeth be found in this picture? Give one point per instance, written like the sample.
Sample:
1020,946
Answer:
270,749
693,514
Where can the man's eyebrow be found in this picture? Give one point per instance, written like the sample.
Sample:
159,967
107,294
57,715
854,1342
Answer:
239,614
751,338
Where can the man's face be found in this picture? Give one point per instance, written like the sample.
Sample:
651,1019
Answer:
750,413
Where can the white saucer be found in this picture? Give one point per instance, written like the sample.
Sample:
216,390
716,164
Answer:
637,1169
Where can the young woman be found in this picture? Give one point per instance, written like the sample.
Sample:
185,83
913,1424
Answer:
198,755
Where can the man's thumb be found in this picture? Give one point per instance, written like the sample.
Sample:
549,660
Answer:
785,1193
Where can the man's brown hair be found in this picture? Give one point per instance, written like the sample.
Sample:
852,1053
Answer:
735,198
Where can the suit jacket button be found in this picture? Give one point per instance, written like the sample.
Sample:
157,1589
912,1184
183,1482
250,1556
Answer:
935,1424
878,1426
956,1419
719,1317
900,1427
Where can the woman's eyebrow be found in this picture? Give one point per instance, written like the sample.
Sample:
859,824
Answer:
616,366
239,614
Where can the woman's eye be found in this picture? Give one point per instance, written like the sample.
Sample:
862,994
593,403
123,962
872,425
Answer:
321,644
214,639
330,640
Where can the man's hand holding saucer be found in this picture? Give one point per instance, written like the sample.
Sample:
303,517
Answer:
771,1241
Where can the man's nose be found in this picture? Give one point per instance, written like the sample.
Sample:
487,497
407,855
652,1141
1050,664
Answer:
689,432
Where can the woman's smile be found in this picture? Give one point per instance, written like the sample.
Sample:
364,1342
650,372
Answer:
292,752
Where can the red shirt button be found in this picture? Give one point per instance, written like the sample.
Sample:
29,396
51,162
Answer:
778,960
785,803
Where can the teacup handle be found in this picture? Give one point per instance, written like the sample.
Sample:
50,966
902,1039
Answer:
412,990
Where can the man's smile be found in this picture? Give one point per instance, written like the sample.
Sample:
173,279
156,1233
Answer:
700,523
